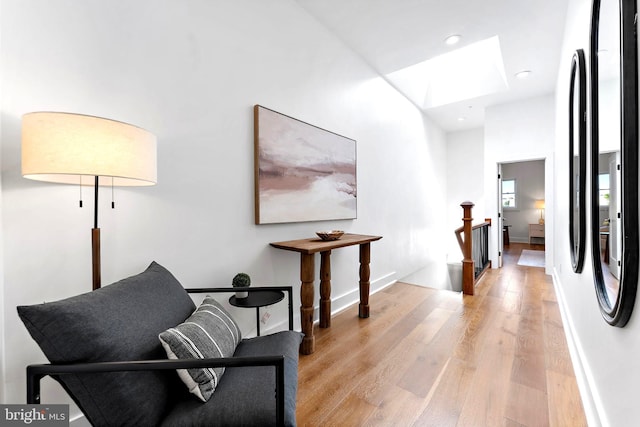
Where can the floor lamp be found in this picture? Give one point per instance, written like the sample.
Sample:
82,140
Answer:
77,149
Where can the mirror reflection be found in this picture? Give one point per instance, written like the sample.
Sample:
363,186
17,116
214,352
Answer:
577,159
609,136
609,222
575,202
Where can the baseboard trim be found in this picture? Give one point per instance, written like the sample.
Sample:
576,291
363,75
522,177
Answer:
518,239
337,304
591,400
352,297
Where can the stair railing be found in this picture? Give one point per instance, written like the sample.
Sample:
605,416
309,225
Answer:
474,244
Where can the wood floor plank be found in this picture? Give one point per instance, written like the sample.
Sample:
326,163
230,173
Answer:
389,308
511,423
516,278
529,359
315,404
429,357
512,301
557,357
358,410
449,396
551,313
431,325
527,406
565,406
498,287
390,370
488,394
428,362
373,339
347,327
477,325
400,408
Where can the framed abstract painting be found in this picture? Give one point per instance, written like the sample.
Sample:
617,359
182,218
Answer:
302,172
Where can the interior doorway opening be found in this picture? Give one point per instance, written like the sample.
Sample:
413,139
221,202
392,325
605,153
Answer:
521,210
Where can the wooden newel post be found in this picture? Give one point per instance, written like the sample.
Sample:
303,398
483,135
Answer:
468,268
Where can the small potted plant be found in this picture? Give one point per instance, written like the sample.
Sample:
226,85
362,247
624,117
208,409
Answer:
241,280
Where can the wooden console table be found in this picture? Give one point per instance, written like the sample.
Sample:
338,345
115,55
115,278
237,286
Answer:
307,249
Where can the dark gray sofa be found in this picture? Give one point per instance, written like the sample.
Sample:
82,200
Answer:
104,350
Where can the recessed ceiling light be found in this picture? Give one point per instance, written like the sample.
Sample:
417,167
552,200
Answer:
453,39
524,74
462,119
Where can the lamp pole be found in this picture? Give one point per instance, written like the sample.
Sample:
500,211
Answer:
95,241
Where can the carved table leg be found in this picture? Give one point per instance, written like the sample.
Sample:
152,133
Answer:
325,289
307,266
365,258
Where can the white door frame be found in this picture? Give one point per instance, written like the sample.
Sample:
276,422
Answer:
549,205
500,217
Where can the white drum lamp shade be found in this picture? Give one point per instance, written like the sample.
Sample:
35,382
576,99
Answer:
65,147
61,147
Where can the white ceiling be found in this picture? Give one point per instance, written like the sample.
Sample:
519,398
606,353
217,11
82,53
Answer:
392,35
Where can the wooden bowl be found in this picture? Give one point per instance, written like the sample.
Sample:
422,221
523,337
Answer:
330,235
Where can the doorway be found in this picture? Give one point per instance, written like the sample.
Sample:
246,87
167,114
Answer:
521,207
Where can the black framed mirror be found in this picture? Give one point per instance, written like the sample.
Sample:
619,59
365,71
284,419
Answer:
614,157
578,159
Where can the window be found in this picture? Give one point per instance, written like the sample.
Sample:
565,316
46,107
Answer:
509,193
604,189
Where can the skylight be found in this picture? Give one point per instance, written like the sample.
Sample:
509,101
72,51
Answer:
469,72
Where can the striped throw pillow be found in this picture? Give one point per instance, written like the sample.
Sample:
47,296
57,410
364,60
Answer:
209,332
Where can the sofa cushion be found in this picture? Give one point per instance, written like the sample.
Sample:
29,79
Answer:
228,405
209,332
120,321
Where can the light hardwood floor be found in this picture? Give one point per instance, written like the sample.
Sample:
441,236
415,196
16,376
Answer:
434,358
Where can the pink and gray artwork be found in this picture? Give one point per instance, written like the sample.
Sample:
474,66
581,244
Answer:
303,173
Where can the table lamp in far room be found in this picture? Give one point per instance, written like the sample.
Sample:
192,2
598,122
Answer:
540,205
77,149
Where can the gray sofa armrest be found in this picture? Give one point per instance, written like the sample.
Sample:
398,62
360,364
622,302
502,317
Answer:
35,373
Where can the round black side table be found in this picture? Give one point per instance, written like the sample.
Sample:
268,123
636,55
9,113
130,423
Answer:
257,299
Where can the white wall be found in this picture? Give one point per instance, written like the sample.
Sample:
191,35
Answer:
191,72
514,132
607,356
529,178
465,182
